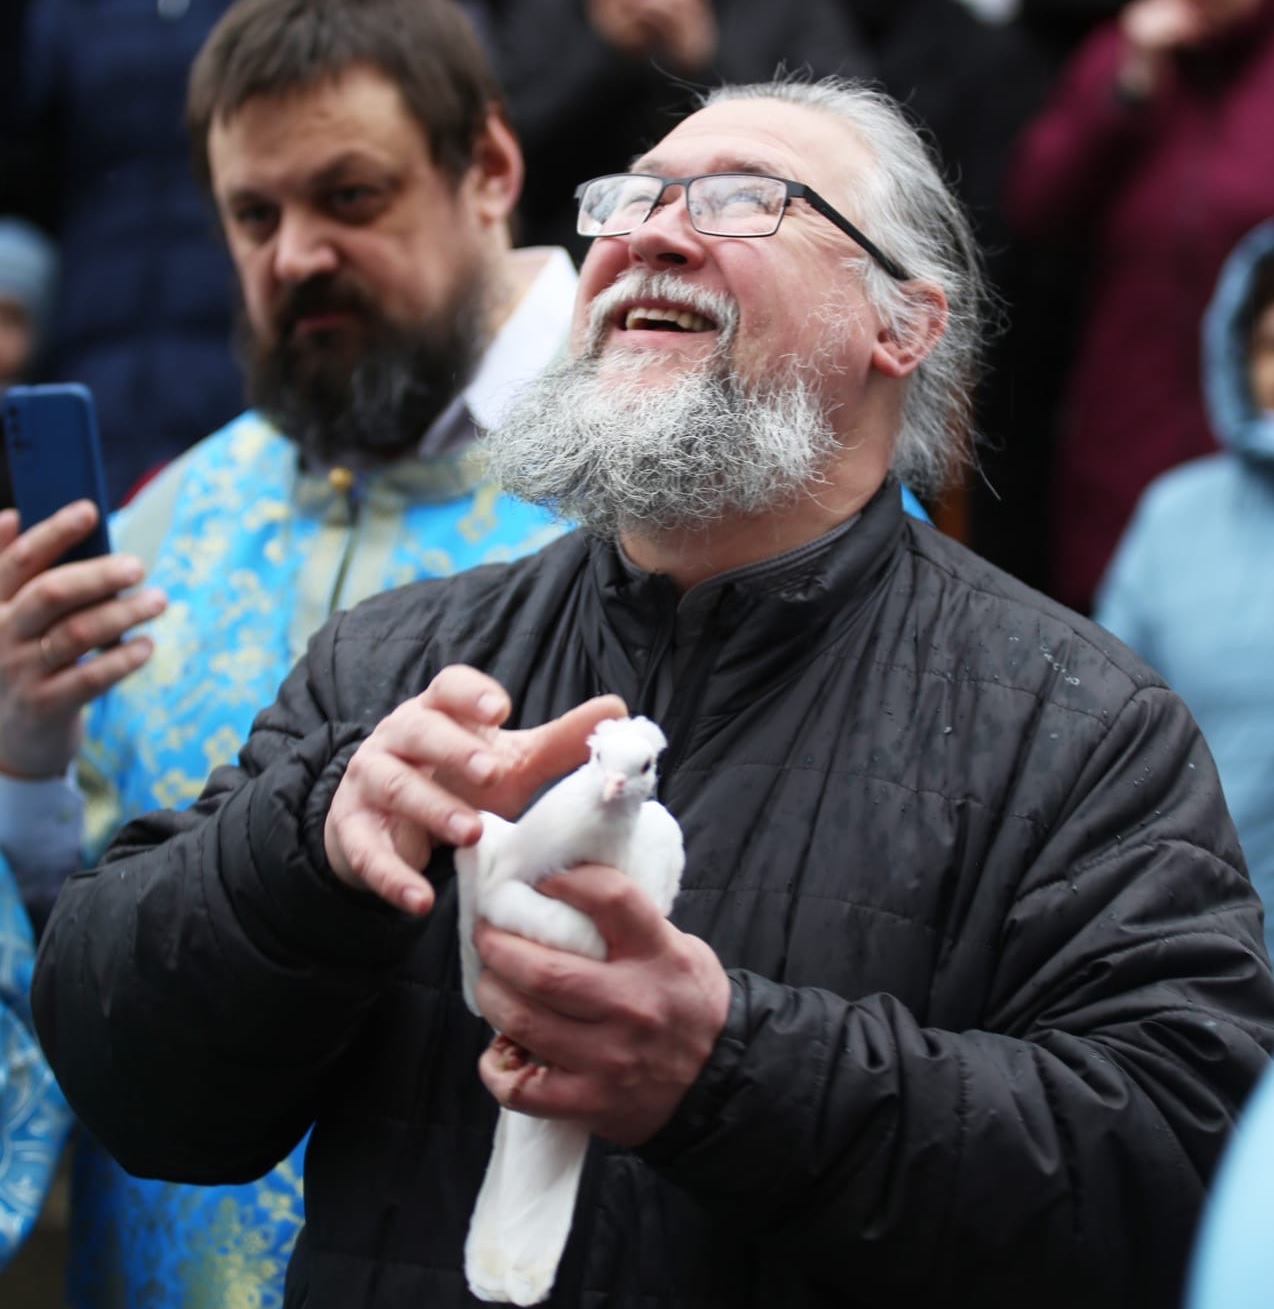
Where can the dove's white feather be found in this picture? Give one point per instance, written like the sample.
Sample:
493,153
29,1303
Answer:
601,814
523,1214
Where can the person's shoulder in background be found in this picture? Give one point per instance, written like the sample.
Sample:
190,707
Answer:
1233,1264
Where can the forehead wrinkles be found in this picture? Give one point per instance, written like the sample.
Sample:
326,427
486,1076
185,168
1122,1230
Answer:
803,143
723,162
308,127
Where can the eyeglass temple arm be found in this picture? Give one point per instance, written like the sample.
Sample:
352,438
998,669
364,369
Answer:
891,266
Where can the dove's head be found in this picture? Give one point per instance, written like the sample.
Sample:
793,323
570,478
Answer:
624,752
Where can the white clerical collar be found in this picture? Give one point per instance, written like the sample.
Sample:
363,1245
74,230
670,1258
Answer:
532,336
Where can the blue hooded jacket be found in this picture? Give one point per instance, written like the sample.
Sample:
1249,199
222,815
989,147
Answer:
1191,587
1233,1265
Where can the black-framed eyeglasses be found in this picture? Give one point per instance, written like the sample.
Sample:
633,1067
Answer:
719,204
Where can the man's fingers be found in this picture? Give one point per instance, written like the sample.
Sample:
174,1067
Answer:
515,967
387,786
561,745
376,866
452,727
421,777
467,694
633,1034
96,627
70,686
452,757
628,919
46,597
569,1033
533,1088
9,527
34,550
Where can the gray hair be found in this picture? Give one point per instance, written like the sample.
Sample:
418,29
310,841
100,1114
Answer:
907,208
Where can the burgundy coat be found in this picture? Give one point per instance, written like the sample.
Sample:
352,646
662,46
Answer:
1155,196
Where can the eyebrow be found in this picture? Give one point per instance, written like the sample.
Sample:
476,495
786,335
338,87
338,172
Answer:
331,172
720,164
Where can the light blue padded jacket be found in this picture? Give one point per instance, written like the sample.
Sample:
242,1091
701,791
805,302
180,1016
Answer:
1191,586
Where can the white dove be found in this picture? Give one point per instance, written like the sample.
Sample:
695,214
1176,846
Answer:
601,813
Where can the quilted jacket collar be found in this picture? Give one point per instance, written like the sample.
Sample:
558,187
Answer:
752,627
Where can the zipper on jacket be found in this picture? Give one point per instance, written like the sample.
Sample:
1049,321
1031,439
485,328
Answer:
687,689
648,692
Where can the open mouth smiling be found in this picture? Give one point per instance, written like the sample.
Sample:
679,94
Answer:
637,307
663,318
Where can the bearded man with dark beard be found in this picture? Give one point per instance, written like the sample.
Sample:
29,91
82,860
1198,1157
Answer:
364,175
965,982
366,398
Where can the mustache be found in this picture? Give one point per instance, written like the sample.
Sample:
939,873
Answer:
637,284
328,293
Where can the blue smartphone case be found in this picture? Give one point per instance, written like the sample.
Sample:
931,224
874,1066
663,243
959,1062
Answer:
54,456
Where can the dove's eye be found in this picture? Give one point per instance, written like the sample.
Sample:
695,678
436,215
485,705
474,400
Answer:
645,768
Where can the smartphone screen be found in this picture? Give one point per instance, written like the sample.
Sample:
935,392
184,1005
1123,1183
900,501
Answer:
54,457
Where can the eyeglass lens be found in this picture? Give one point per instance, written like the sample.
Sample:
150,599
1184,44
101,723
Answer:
720,204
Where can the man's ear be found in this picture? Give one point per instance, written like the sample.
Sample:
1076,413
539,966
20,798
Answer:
497,170
901,346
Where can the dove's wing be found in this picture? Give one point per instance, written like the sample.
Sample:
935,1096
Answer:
518,907
476,867
656,855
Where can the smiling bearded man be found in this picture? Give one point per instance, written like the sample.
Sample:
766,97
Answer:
964,983
616,450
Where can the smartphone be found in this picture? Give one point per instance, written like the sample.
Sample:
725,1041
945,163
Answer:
54,457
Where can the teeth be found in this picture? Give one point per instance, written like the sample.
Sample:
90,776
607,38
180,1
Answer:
681,318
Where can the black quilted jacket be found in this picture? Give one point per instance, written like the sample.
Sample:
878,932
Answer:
998,984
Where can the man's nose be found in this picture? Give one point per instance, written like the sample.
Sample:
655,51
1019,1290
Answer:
303,248
667,236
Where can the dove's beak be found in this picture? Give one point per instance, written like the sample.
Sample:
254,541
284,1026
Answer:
613,786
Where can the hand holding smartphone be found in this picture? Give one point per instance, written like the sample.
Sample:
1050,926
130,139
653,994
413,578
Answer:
54,457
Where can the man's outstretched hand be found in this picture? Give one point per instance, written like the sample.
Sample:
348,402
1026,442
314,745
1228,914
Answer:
420,778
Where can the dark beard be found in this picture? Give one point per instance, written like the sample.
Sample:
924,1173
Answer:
366,401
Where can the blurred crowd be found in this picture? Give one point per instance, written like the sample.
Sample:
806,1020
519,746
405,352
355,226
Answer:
1108,153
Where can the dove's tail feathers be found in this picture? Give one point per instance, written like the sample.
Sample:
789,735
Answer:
523,1214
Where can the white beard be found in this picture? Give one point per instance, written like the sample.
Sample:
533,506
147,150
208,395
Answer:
627,452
